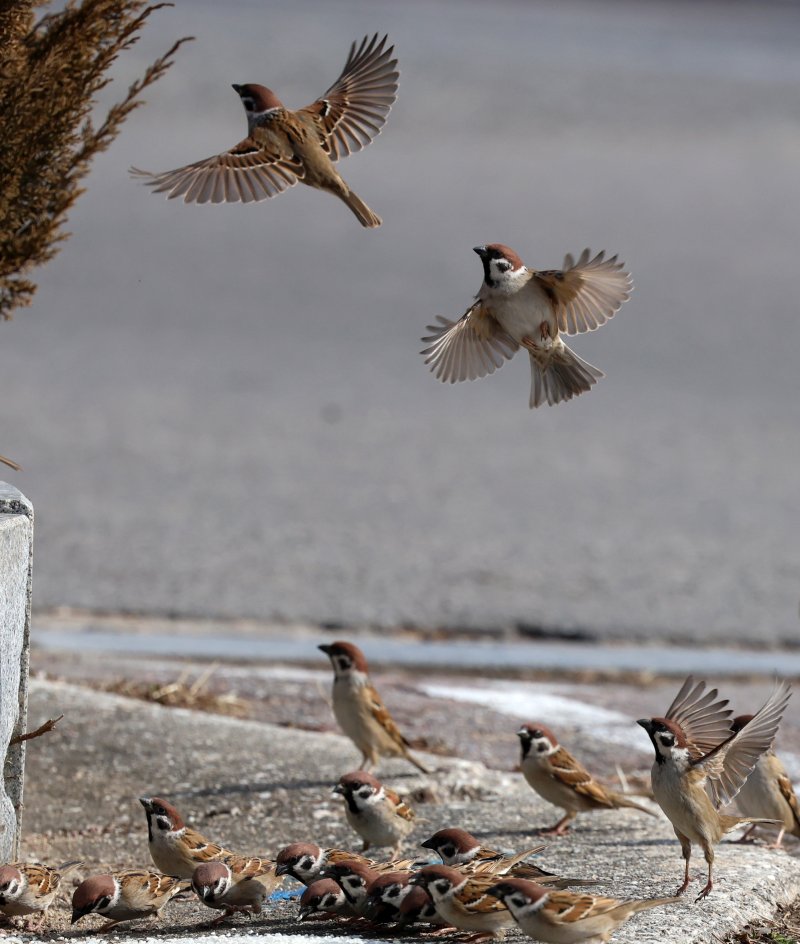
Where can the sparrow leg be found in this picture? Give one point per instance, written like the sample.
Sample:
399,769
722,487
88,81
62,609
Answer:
561,827
779,840
686,850
107,926
36,926
709,854
747,834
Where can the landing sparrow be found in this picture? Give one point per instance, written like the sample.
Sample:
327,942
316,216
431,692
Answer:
324,897
465,901
125,895
176,848
558,777
236,884
283,146
520,307
560,917
768,791
360,710
461,850
700,766
374,811
28,888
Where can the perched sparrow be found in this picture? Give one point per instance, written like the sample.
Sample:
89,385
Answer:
385,894
465,901
360,711
27,888
418,908
566,917
125,895
284,146
235,884
324,897
768,791
700,766
557,777
354,878
176,848
10,463
376,813
461,850
520,307
306,862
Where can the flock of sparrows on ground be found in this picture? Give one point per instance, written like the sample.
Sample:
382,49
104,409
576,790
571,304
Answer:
703,760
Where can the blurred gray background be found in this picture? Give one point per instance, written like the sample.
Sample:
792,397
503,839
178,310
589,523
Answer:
221,411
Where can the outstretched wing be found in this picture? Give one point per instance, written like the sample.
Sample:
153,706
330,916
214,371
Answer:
354,109
704,721
246,173
730,763
585,293
471,347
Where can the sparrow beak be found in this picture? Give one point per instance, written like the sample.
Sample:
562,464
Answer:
647,724
481,250
325,649
305,911
145,801
428,844
338,789
78,913
414,880
281,869
237,88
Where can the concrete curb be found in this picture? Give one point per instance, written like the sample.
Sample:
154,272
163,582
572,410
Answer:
16,557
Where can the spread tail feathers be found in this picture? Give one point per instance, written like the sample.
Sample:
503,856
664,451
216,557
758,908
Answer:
365,216
563,377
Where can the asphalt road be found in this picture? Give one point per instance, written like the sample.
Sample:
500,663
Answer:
222,411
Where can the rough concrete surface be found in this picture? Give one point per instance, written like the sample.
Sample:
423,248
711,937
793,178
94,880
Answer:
256,787
16,548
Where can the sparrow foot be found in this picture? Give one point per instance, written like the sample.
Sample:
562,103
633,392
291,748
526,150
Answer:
704,893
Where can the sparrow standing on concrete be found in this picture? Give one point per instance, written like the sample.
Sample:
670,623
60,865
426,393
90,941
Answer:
560,917
700,766
125,895
360,710
284,146
521,307
465,901
768,792
28,888
374,811
557,776
237,883
176,848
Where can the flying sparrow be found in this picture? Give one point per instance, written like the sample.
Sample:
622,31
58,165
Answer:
28,888
176,849
560,917
700,766
768,791
360,710
283,146
322,898
374,811
558,777
520,307
465,901
125,895
236,884
461,850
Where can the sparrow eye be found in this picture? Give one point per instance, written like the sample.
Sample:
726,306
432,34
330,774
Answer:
537,734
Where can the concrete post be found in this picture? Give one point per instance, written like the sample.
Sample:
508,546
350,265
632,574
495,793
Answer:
16,555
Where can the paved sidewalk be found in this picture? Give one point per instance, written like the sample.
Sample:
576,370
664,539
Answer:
256,787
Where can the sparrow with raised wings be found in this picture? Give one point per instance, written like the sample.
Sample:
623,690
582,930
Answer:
465,901
561,917
700,765
29,888
283,146
374,811
521,307
175,848
768,792
237,883
461,850
560,779
125,895
360,710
